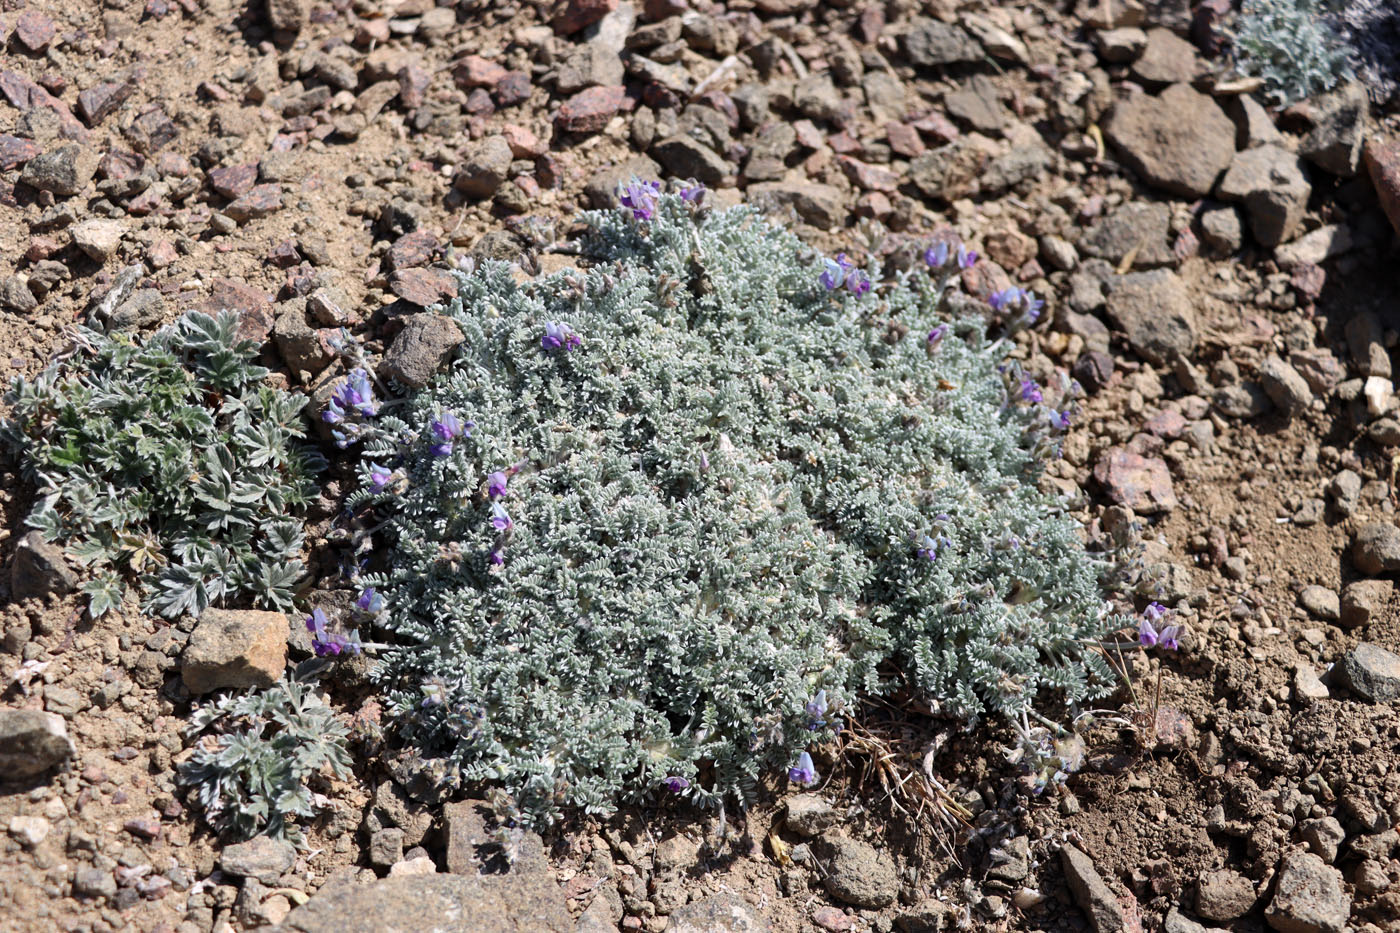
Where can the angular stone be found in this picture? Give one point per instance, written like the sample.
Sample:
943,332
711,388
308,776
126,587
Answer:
1120,45
1308,897
820,205
859,874
258,201
470,833
100,100
1383,164
1324,836
421,349
1376,549
1179,141
579,14
442,903
1320,603
1154,310
1339,129
1143,484
1316,247
485,165
1091,893
1371,672
304,348
423,287
40,569
65,171
16,296
15,150
1363,600
1167,59
716,913
34,30
261,857
233,181
1224,895
100,239
287,15
1139,228
1271,183
252,306
588,65
410,250
685,157
235,649
1288,390
809,815
929,42
589,110
978,104
32,742
142,308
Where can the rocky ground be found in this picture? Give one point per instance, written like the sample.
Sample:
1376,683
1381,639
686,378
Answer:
1219,275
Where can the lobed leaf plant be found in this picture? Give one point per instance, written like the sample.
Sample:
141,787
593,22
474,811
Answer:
170,465
667,516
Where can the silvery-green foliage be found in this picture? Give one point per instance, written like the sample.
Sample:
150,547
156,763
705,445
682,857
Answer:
170,462
1291,45
717,505
255,754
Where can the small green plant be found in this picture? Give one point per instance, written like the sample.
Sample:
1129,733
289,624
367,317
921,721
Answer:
257,751
170,463
1291,45
666,518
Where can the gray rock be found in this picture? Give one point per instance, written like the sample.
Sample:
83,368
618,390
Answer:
40,569
1179,141
1288,390
1320,603
1307,686
1058,252
588,65
1385,432
32,742
1376,549
1154,311
1224,895
1308,897
1339,129
819,205
1142,228
717,913
1091,893
287,15
1120,45
386,847
1315,247
1364,600
816,96
65,701
1021,164
930,916
65,171
100,239
1253,125
485,166
1271,183
471,846
684,157
392,807
94,882
929,42
1011,861
596,919
859,874
300,345
144,308
1371,672
610,32
421,349
1242,400
1324,836
1177,922
1222,229
261,857
235,648
602,188
441,903
809,815
16,296
978,103
1366,341
674,854
1167,59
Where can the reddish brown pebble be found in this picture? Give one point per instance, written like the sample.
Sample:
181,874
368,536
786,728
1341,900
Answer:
161,254
423,286
513,89
35,30
147,202
833,919
53,82
904,140
252,306
582,13
119,165
1142,484
654,11
843,143
154,130
871,22
410,250
808,135
16,150
475,71
523,143
284,255
527,184
874,204
1308,279
869,177
479,103
937,127
1166,424
413,82
233,181
370,31
213,91
148,828
260,201
173,164
590,110
1383,162
41,248
98,101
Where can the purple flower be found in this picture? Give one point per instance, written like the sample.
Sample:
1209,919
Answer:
967,258
496,485
1033,306
496,556
1150,636
692,194
1147,633
804,772
500,520
370,602
937,255
1060,420
834,273
935,336
379,477
557,336
928,548
355,392
447,428
640,198
1155,611
1169,636
857,282
816,707
1000,300
329,644
316,624
675,783
1030,391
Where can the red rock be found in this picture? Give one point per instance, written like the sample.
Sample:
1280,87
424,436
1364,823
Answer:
1383,162
843,143
233,181
252,306
98,101
259,201
871,22
34,30
869,177
657,96
1308,279
589,110
25,94
551,168
371,31
213,91
173,164
148,828
937,126
423,286
724,105
53,82
41,248
832,918
874,204
1142,484
513,89
904,140
1010,248
1166,424
152,131
16,150
475,71
147,202
984,278
413,82
119,165
410,250
579,14
527,184
654,11
284,255
524,144
161,254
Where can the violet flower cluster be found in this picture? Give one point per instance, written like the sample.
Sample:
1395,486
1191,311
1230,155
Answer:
804,773
560,337
1150,636
329,644
1020,306
842,271
446,428
351,402
639,197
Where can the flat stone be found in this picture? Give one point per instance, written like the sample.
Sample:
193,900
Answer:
287,15
1224,895
35,30
39,569
1376,549
1316,247
1366,340
235,649
809,815
469,826
1140,228
15,150
929,42
1154,311
579,14
1143,484
1288,390
978,104
16,296
1253,125
588,65
100,239
1320,603
261,857
1120,46
820,205
32,742
1371,672
94,882
1308,897
1272,185
252,305
589,110
233,181
258,201
1167,59
485,165
859,874
716,913
1179,141
411,250
99,101
424,287
1307,686
441,903
1324,836
65,171
421,349
1090,892
685,157
303,348
1177,922
1364,600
